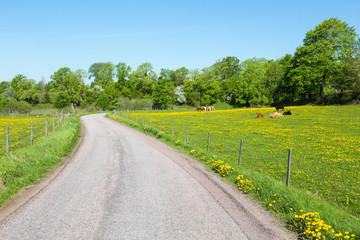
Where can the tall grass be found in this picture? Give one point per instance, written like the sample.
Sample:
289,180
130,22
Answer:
28,165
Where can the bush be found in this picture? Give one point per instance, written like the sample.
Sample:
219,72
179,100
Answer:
12,106
135,104
60,102
103,102
3,103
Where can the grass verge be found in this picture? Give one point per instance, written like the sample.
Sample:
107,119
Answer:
307,215
28,165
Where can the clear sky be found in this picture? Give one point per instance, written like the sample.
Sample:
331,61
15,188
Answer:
39,37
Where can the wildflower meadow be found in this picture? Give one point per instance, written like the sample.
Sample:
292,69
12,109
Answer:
324,142
20,131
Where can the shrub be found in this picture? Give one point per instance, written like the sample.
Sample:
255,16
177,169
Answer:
12,106
103,102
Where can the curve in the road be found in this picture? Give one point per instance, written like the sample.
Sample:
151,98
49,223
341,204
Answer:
123,184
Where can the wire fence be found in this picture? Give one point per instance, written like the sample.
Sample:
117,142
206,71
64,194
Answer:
20,131
261,152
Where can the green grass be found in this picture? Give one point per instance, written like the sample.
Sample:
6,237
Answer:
325,167
26,166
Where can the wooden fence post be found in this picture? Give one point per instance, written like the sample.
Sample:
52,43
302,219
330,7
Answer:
32,133
240,151
288,169
7,141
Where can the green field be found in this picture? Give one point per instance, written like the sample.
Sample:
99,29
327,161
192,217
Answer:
27,164
324,142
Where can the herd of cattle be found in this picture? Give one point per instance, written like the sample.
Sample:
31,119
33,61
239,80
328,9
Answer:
258,115
276,114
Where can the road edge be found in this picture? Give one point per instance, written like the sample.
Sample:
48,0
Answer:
248,214
27,193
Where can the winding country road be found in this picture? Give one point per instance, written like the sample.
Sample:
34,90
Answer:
123,184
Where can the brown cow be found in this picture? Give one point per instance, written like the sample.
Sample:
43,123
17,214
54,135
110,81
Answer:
201,108
259,115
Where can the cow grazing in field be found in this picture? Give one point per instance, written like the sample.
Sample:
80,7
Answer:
278,107
201,108
288,112
210,108
259,115
275,115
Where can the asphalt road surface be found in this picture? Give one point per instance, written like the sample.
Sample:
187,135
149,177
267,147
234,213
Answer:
122,184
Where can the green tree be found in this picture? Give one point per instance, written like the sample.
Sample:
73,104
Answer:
25,89
161,99
103,102
348,77
102,73
249,87
274,79
71,87
316,63
142,81
202,87
226,68
9,93
3,86
57,77
192,92
112,90
179,76
122,74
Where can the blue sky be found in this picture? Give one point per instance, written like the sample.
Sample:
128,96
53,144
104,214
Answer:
39,37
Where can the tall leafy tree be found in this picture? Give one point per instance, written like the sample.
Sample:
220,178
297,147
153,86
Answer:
226,70
348,77
179,76
3,86
122,73
25,89
227,67
102,73
161,97
249,88
315,64
142,81
58,77
71,88
167,81
274,79
202,88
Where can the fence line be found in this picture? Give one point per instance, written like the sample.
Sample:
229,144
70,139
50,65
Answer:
187,140
21,132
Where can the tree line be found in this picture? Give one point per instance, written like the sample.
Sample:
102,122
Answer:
325,69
